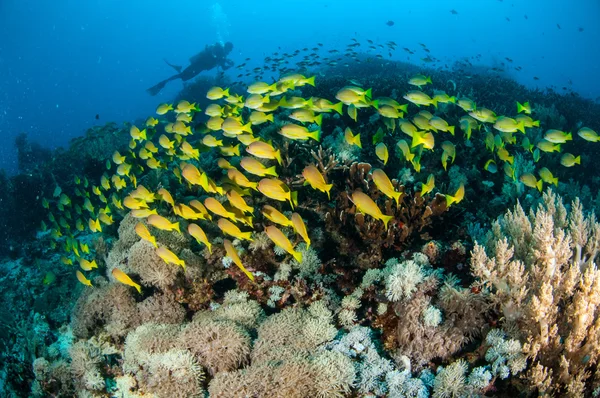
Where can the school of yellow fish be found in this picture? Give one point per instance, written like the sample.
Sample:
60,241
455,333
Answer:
233,129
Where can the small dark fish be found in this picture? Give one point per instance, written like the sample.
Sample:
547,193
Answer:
426,50
320,44
97,116
453,12
422,45
247,59
508,19
580,29
509,60
536,78
390,23
526,17
370,41
558,26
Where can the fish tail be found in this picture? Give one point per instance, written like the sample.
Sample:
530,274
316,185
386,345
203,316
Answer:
316,135
278,156
540,185
209,246
520,108
521,127
356,141
568,137
236,149
176,227
271,171
319,119
449,200
577,160
247,128
434,103
253,185
182,263
375,104
453,99
269,117
338,107
138,288
555,181
328,189
536,123
294,198
311,81
428,79
397,197
297,256
225,93
451,129
368,93
247,236
385,220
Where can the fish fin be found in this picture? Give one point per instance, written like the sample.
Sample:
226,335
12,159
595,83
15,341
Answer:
278,156
577,160
316,135
297,256
451,129
294,199
271,171
328,189
385,220
138,288
311,81
338,107
176,226
434,103
357,141
368,93
319,119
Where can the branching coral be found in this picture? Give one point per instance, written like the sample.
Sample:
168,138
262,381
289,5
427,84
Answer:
541,273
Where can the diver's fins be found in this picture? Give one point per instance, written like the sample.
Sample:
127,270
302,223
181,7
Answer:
178,68
156,89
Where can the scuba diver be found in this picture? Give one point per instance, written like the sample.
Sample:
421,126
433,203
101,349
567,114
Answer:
211,57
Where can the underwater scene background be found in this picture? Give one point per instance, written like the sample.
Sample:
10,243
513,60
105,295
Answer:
299,199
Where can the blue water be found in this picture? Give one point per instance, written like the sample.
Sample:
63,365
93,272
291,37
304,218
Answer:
64,62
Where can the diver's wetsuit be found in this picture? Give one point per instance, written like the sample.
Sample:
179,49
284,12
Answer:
212,56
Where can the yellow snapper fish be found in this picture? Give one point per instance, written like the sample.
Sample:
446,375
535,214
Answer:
505,156
236,200
184,106
162,109
276,190
230,150
443,98
162,223
232,253
215,93
142,231
315,179
300,228
82,279
405,149
214,110
165,142
215,123
198,233
467,125
509,125
547,177
276,216
94,225
217,208
306,116
237,177
364,204
527,121
256,168
297,80
484,115
458,196
229,228
136,134
296,132
282,241
125,279
196,204
189,151
525,107
352,95
569,160
261,88
588,134
118,158
423,138
441,125
383,183
247,139
186,212
389,112
169,257
295,103
165,196
234,127
224,164
87,265
428,186
419,98
352,139
151,122
257,118
142,213
211,141
181,128
386,101
264,150
382,153
557,136
324,105
255,101
547,146
419,80
467,105
532,182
